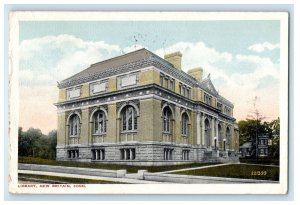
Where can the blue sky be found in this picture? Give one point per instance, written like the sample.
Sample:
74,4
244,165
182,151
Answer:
241,56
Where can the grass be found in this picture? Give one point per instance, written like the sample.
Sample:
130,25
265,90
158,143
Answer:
267,161
237,171
34,177
129,168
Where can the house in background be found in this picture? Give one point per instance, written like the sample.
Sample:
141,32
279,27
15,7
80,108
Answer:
140,109
248,148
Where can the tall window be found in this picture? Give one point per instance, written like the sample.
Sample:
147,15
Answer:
227,135
129,119
167,120
74,125
161,79
99,122
172,84
184,124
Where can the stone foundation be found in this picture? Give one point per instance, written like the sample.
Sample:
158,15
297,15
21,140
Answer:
148,154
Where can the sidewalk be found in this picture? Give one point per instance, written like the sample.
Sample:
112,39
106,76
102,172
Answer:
194,168
121,180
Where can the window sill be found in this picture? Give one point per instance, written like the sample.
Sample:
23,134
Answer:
100,134
129,132
74,136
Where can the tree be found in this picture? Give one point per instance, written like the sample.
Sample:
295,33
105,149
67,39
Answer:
249,129
274,148
34,143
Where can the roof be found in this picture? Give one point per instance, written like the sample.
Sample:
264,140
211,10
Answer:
133,57
246,145
111,63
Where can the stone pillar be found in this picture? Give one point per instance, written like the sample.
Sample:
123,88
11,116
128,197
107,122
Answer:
91,131
84,127
112,135
198,129
217,132
130,154
96,154
100,154
203,130
212,132
125,154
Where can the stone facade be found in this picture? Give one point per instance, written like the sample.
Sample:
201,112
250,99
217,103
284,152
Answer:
140,109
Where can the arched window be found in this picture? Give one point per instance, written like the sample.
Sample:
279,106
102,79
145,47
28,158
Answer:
74,124
184,124
227,135
220,133
167,120
129,118
207,132
99,122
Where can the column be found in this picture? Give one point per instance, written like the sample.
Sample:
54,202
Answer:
96,154
100,154
217,132
203,128
212,132
198,129
130,154
165,155
125,154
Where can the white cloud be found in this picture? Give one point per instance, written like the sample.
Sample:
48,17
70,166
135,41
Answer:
235,85
67,54
261,47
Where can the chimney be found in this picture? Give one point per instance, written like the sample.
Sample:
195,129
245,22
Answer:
196,73
175,59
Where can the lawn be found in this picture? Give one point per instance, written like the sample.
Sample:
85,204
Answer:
130,169
238,171
49,179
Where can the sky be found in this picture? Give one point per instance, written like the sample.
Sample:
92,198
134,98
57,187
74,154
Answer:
242,58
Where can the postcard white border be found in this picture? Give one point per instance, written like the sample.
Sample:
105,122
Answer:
16,17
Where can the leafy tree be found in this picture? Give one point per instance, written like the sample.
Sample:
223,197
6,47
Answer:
274,149
34,143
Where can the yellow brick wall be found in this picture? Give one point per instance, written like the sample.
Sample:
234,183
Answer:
85,90
112,84
177,125
113,124
177,86
62,95
146,120
61,128
157,120
84,128
149,77
196,94
193,130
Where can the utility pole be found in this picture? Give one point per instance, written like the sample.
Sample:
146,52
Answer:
258,117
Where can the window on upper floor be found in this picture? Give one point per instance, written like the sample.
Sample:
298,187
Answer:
73,93
188,93
162,80
219,106
207,99
227,110
172,84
